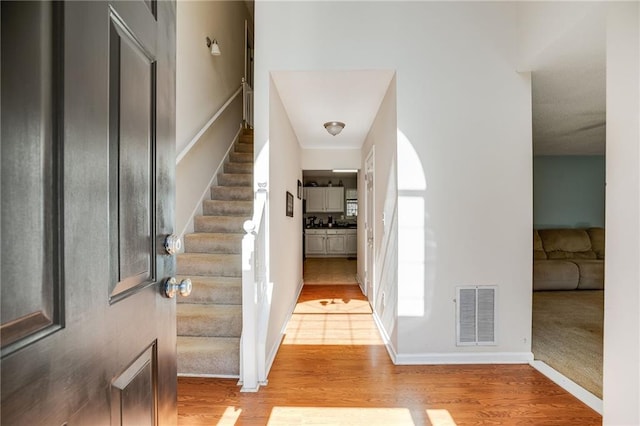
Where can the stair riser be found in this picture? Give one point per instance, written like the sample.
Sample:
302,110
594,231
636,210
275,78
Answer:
245,168
241,157
207,356
219,224
235,179
228,208
231,193
243,147
196,244
220,295
229,268
216,290
218,322
246,138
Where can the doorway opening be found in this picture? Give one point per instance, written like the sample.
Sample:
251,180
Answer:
330,227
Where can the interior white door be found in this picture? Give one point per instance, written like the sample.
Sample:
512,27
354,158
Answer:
369,228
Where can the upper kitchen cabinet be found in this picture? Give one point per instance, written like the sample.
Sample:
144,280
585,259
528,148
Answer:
325,199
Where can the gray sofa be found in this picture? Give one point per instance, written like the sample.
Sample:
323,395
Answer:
568,259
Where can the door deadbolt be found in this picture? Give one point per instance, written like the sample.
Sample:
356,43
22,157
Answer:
172,244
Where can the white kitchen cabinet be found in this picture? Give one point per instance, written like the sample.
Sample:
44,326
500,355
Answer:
335,242
325,199
315,199
331,242
334,199
315,242
351,241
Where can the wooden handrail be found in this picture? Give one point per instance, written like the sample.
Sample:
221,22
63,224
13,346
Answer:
208,124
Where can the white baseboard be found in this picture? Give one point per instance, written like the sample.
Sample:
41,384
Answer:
570,386
385,338
450,357
361,284
206,194
210,376
464,358
274,351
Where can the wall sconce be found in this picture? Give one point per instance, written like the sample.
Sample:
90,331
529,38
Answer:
213,44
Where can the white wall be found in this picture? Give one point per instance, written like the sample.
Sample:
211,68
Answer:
203,84
327,159
467,114
622,267
382,138
285,232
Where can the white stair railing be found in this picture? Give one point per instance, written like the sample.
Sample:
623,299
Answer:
255,295
247,104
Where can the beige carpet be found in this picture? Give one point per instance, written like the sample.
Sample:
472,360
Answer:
567,334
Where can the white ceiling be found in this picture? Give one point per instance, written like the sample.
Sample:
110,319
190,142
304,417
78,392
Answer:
569,91
312,98
568,96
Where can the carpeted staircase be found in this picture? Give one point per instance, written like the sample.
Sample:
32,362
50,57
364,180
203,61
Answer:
210,319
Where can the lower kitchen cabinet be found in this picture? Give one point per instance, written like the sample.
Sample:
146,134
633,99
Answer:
351,242
331,242
314,242
335,242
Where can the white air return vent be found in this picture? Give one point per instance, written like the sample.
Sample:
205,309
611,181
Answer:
476,315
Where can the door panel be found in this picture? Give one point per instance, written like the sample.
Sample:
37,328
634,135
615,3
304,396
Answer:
112,359
132,149
369,227
30,214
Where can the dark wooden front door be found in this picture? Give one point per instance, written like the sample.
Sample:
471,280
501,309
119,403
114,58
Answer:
87,172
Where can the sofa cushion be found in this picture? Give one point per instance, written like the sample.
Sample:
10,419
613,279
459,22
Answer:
571,240
559,254
597,241
539,255
538,250
555,275
537,242
591,274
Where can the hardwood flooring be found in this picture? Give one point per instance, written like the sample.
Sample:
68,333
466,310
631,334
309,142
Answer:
330,270
332,369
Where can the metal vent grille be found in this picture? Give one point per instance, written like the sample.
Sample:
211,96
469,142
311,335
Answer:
476,315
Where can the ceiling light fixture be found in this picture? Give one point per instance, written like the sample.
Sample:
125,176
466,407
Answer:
334,127
213,44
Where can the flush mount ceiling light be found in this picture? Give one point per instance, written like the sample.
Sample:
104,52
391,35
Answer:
334,127
213,44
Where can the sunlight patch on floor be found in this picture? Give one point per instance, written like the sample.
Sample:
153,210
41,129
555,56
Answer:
230,416
440,418
331,305
331,329
340,416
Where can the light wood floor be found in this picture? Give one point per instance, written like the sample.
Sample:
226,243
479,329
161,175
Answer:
332,369
331,270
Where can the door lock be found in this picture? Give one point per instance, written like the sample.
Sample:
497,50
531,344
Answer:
172,244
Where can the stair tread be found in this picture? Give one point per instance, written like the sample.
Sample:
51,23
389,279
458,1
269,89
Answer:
213,280
214,235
